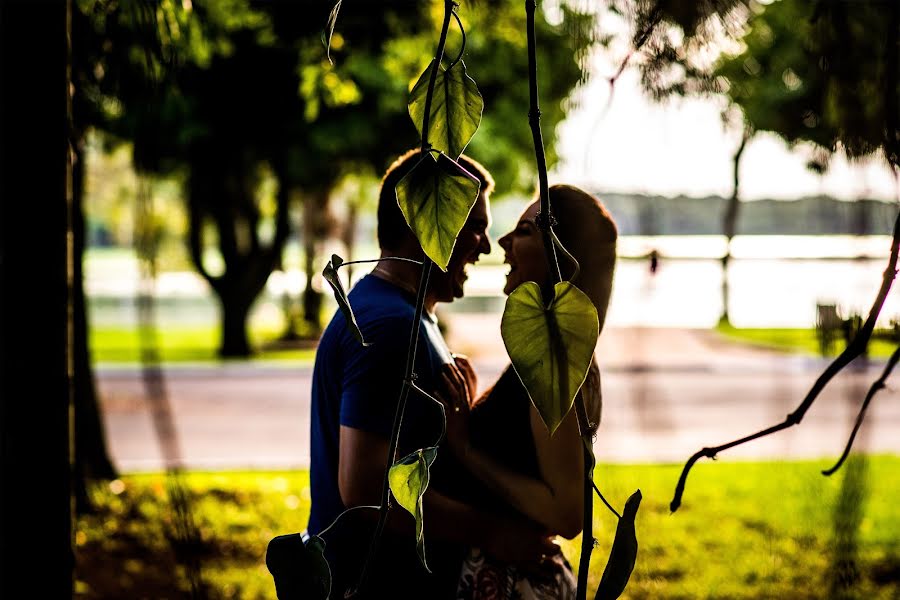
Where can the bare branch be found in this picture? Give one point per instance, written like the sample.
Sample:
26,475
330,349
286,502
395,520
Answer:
852,351
876,387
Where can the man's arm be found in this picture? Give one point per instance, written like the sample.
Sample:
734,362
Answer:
362,461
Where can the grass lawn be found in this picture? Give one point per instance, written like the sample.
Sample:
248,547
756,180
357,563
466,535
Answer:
745,530
797,340
185,344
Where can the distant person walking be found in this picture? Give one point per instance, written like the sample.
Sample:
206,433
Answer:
654,261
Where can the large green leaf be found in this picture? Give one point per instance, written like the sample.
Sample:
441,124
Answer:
331,276
408,478
436,198
456,108
550,347
623,554
299,568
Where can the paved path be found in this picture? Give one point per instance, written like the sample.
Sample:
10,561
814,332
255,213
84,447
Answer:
667,392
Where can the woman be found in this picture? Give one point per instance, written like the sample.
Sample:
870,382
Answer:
507,456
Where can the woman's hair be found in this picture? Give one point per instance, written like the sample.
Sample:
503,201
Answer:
589,233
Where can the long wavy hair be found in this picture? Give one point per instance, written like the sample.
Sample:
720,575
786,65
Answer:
589,233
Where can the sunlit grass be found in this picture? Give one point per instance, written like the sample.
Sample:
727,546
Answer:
185,344
745,530
797,340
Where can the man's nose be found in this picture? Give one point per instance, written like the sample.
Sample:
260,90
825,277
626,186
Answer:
485,246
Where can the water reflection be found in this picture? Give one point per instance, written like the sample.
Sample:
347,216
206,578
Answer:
684,292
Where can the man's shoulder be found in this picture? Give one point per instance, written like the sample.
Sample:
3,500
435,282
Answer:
375,301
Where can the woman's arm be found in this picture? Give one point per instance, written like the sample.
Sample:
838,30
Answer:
555,499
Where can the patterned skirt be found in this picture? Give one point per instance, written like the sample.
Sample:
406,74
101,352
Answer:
483,578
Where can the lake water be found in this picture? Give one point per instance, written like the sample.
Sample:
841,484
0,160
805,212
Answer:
775,281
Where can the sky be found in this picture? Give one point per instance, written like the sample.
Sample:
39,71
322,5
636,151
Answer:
682,147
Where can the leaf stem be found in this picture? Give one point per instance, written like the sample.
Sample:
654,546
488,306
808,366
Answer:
608,505
439,404
349,510
566,253
384,508
545,222
375,260
435,64
462,49
852,351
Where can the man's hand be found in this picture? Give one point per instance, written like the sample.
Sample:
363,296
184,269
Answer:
454,395
468,374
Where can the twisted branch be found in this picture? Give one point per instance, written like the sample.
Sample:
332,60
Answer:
852,351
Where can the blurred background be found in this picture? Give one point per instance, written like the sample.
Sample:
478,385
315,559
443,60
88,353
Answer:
747,149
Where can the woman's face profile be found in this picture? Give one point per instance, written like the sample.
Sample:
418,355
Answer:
524,248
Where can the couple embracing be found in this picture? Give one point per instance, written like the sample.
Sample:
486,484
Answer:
502,489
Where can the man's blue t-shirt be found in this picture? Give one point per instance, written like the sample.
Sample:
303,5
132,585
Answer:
358,387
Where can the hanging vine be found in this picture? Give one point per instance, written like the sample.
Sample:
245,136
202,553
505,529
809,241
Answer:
435,198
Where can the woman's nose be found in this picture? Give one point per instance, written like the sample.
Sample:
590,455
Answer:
504,242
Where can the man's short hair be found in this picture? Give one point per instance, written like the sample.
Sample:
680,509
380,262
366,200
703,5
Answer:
392,226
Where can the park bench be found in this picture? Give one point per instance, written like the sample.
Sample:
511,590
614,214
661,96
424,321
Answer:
831,326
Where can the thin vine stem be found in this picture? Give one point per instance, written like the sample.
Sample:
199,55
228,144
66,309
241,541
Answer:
409,375
545,222
852,351
439,404
435,65
567,254
384,507
606,502
462,49
348,511
874,389
375,260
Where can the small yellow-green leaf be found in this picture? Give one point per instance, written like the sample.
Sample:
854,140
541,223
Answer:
408,479
436,198
331,276
550,347
623,554
456,108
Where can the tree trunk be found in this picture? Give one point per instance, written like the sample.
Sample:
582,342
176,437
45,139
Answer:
350,236
234,343
36,385
315,228
92,461
229,204
729,223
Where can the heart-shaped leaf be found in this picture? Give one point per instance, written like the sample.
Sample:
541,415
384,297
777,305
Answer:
456,108
299,569
408,478
331,276
550,347
623,554
436,198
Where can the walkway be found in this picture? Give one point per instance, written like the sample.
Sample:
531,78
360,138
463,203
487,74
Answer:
667,392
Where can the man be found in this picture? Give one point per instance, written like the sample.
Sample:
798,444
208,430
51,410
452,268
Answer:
354,397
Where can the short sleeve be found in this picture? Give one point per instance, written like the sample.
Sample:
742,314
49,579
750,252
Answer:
373,376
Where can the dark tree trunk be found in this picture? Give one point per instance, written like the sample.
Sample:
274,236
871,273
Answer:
729,222
235,343
221,191
316,225
350,236
36,390
92,461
